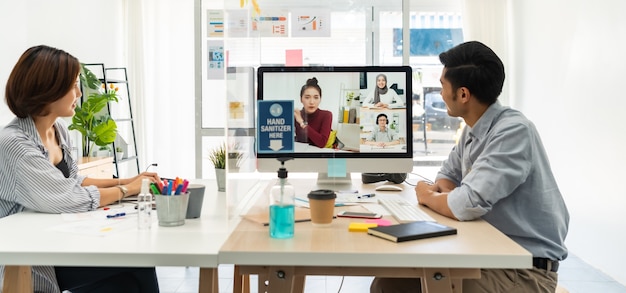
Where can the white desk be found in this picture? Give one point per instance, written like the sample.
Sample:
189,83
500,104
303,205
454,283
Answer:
27,239
335,251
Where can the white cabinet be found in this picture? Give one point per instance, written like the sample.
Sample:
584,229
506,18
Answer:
96,167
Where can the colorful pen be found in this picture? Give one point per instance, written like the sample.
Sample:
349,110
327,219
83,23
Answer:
154,188
178,189
111,216
185,185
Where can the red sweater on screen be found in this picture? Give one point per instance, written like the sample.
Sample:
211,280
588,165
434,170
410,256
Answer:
319,125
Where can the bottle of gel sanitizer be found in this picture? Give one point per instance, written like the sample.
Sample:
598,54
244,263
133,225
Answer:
282,213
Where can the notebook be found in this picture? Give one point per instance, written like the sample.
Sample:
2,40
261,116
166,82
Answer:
411,231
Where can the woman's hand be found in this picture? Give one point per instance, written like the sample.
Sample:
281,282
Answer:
297,115
134,184
381,105
154,177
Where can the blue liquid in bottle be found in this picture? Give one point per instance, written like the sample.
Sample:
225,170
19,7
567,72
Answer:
282,219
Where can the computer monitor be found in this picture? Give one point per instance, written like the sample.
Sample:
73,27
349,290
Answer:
368,137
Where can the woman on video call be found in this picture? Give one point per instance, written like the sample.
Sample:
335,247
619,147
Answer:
382,96
38,172
313,125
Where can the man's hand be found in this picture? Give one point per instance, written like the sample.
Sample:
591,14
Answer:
432,196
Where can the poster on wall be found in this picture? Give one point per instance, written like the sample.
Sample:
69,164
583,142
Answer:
215,59
215,23
271,23
237,23
310,23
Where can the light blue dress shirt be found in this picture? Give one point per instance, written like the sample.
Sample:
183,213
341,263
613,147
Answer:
503,176
388,135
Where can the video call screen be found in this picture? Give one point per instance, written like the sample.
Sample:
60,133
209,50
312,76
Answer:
368,108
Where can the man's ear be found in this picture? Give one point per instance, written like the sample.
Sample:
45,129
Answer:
463,92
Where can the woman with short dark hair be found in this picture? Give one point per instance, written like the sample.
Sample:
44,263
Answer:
39,173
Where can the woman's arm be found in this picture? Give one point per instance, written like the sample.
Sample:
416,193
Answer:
389,99
319,131
110,190
369,101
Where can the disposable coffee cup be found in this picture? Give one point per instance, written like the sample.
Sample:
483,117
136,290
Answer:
196,197
171,209
322,203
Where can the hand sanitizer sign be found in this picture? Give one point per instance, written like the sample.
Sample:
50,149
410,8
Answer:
275,131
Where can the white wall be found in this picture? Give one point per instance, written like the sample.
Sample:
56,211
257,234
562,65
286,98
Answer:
95,31
569,76
89,32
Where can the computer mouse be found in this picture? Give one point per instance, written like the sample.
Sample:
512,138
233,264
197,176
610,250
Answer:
388,187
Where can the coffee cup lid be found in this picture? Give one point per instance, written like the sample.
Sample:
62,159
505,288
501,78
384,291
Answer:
322,194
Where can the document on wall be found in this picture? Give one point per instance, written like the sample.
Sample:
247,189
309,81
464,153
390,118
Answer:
310,23
238,23
271,23
215,23
216,65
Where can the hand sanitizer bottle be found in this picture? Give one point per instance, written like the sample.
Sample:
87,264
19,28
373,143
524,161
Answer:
282,213
144,206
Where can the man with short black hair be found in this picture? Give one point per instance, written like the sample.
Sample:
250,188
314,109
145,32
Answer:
499,172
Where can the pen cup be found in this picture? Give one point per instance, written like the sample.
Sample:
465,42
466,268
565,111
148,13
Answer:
171,209
322,203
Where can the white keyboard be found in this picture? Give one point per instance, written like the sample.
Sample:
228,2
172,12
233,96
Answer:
404,211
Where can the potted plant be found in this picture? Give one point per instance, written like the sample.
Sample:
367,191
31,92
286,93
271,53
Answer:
119,153
218,158
234,158
96,126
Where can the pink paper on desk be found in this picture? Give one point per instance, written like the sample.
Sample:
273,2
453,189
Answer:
380,222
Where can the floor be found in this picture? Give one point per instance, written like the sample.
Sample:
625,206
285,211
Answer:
574,274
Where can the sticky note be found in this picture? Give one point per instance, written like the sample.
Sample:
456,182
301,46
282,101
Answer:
337,167
293,57
379,222
361,227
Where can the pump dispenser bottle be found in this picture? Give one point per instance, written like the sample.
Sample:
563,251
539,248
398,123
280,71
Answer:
144,206
282,213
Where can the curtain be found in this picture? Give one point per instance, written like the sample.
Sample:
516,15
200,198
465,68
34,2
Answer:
488,21
161,69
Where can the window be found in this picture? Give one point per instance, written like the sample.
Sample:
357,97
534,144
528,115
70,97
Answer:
361,33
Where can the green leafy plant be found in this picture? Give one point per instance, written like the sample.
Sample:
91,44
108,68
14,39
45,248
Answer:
218,156
96,126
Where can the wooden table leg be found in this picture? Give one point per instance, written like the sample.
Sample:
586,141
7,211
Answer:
209,281
262,282
298,284
17,279
241,282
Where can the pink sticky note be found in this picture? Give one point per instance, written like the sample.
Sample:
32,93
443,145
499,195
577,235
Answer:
293,57
380,222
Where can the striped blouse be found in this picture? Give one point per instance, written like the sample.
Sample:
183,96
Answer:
32,182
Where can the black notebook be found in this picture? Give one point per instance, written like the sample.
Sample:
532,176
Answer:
411,231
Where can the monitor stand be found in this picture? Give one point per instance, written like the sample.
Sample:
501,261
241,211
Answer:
334,183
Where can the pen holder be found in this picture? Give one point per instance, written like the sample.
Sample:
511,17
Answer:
171,209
